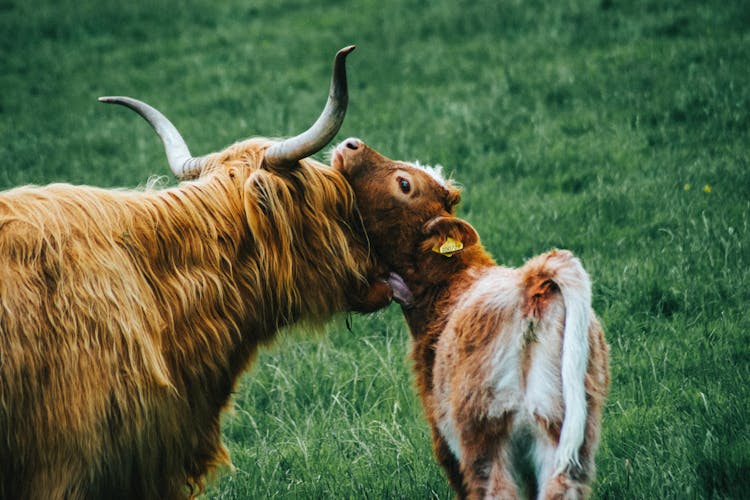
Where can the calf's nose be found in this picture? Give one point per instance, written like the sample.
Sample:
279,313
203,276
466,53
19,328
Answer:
353,143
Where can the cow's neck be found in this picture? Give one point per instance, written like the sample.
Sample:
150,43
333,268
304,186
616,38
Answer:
199,244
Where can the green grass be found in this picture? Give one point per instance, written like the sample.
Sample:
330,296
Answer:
598,126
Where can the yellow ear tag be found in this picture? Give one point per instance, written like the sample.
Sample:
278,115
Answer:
448,248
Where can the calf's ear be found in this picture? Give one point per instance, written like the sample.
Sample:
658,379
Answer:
448,235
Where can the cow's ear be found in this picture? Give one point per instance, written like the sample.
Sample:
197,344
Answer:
448,235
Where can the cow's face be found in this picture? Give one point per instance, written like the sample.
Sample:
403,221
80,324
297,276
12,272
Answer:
308,232
407,209
305,228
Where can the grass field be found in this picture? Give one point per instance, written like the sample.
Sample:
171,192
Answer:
617,129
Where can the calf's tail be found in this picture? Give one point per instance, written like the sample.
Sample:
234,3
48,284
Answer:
566,271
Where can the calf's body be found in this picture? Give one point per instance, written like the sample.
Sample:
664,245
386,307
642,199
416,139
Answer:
494,390
511,364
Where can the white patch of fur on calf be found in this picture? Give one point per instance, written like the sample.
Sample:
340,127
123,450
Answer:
447,424
436,172
445,416
543,394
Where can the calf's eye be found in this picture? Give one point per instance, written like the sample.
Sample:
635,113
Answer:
404,185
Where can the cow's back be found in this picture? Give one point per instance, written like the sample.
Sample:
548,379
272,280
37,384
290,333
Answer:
73,311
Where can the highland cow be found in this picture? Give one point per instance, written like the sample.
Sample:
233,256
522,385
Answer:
127,316
511,364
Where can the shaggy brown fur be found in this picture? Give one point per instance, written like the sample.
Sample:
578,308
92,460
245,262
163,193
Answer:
511,364
127,316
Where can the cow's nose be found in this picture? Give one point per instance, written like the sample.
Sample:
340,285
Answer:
353,143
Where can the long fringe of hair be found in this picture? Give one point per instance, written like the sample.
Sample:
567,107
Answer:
126,316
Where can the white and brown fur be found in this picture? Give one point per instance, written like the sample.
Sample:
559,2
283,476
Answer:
511,364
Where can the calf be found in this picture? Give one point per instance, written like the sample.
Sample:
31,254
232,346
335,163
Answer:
511,364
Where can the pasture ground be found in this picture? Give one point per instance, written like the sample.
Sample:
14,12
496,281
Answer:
617,129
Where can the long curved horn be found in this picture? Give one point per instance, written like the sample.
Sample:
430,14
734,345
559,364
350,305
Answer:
182,163
287,153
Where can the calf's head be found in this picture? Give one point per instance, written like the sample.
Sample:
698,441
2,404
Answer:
408,212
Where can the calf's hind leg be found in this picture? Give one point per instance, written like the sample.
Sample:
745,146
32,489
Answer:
575,482
563,486
450,463
485,460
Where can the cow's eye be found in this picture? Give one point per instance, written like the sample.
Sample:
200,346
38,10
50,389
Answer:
404,185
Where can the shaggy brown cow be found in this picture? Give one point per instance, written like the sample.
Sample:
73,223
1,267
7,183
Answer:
511,364
127,316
